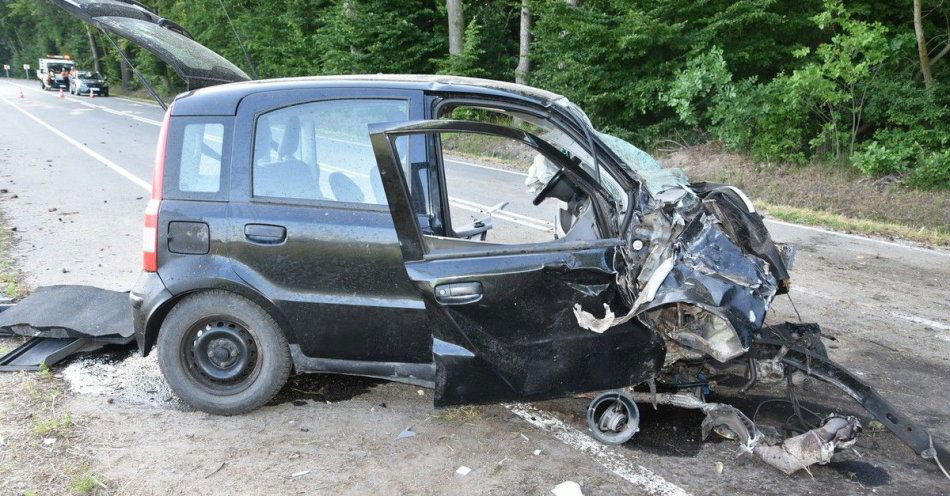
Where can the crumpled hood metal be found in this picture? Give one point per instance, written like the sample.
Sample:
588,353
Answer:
702,245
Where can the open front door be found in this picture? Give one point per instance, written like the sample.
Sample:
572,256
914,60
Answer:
502,315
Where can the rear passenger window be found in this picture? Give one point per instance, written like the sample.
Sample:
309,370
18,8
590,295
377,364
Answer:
322,151
200,169
197,158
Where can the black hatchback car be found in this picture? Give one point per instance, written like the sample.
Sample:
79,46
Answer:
341,225
305,225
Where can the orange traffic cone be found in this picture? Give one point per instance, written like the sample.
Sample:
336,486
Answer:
61,93
21,94
92,93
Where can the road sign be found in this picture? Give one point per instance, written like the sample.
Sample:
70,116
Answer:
6,69
26,67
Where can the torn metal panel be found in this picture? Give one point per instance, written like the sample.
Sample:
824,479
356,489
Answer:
813,364
817,445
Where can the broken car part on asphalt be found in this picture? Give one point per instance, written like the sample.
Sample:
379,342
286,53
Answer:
683,273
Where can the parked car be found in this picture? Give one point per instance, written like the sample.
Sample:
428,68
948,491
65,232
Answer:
86,82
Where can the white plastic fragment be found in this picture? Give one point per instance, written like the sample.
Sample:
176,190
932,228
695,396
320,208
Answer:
537,452
49,441
567,488
407,432
463,470
298,474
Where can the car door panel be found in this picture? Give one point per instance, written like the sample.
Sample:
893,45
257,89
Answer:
333,269
519,338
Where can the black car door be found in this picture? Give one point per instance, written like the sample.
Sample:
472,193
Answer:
502,317
311,229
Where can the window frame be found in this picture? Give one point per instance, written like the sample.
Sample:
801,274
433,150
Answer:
261,102
172,177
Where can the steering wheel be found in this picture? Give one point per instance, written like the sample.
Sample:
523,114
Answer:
546,190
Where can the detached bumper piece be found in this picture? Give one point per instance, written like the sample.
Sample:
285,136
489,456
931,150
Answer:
38,353
61,321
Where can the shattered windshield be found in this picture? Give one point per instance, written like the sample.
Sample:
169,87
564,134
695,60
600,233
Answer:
655,177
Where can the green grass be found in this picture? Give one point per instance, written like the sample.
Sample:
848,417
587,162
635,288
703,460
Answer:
10,284
840,222
84,483
60,425
460,415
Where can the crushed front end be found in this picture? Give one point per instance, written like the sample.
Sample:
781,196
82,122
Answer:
700,269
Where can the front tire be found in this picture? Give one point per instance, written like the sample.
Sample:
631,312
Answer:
222,354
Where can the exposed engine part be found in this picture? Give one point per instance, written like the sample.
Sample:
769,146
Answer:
613,417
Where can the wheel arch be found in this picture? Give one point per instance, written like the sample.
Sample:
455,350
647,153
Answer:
155,320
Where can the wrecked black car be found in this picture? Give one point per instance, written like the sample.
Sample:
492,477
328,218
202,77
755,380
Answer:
312,225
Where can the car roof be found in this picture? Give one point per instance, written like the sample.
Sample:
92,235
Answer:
223,99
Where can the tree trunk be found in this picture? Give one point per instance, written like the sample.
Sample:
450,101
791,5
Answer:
922,46
96,64
456,26
524,47
574,3
350,14
124,68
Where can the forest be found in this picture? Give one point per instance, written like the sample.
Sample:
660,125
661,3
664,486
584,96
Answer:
861,84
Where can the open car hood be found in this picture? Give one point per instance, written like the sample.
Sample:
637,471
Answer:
195,63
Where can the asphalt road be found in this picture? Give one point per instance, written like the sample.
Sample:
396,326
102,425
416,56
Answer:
77,172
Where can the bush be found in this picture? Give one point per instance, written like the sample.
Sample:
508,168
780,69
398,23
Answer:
933,173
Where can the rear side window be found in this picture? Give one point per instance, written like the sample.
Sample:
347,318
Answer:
200,166
320,151
197,158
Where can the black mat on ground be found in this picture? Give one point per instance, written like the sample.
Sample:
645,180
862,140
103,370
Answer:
72,312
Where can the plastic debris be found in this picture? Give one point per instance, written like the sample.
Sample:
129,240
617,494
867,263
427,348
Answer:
463,470
567,488
407,432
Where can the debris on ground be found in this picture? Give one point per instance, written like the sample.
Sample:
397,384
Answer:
463,470
407,432
567,488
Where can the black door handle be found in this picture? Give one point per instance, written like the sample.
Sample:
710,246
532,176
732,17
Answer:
265,233
458,293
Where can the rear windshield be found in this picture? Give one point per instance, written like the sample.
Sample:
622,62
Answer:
197,158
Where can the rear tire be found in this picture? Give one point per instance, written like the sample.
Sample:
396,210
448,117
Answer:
222,354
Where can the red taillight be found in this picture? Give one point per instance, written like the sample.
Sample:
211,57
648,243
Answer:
150,230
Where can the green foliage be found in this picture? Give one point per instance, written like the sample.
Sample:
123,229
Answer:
932,173
764,120
782,80
467,62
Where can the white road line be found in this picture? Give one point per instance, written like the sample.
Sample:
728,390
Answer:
85,149
480,166
610,458
893,313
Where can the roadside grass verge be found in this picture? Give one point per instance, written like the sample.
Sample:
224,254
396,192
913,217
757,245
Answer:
835,197
41,441
839,222
11,285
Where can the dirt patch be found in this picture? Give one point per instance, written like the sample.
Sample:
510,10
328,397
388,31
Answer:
42,440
